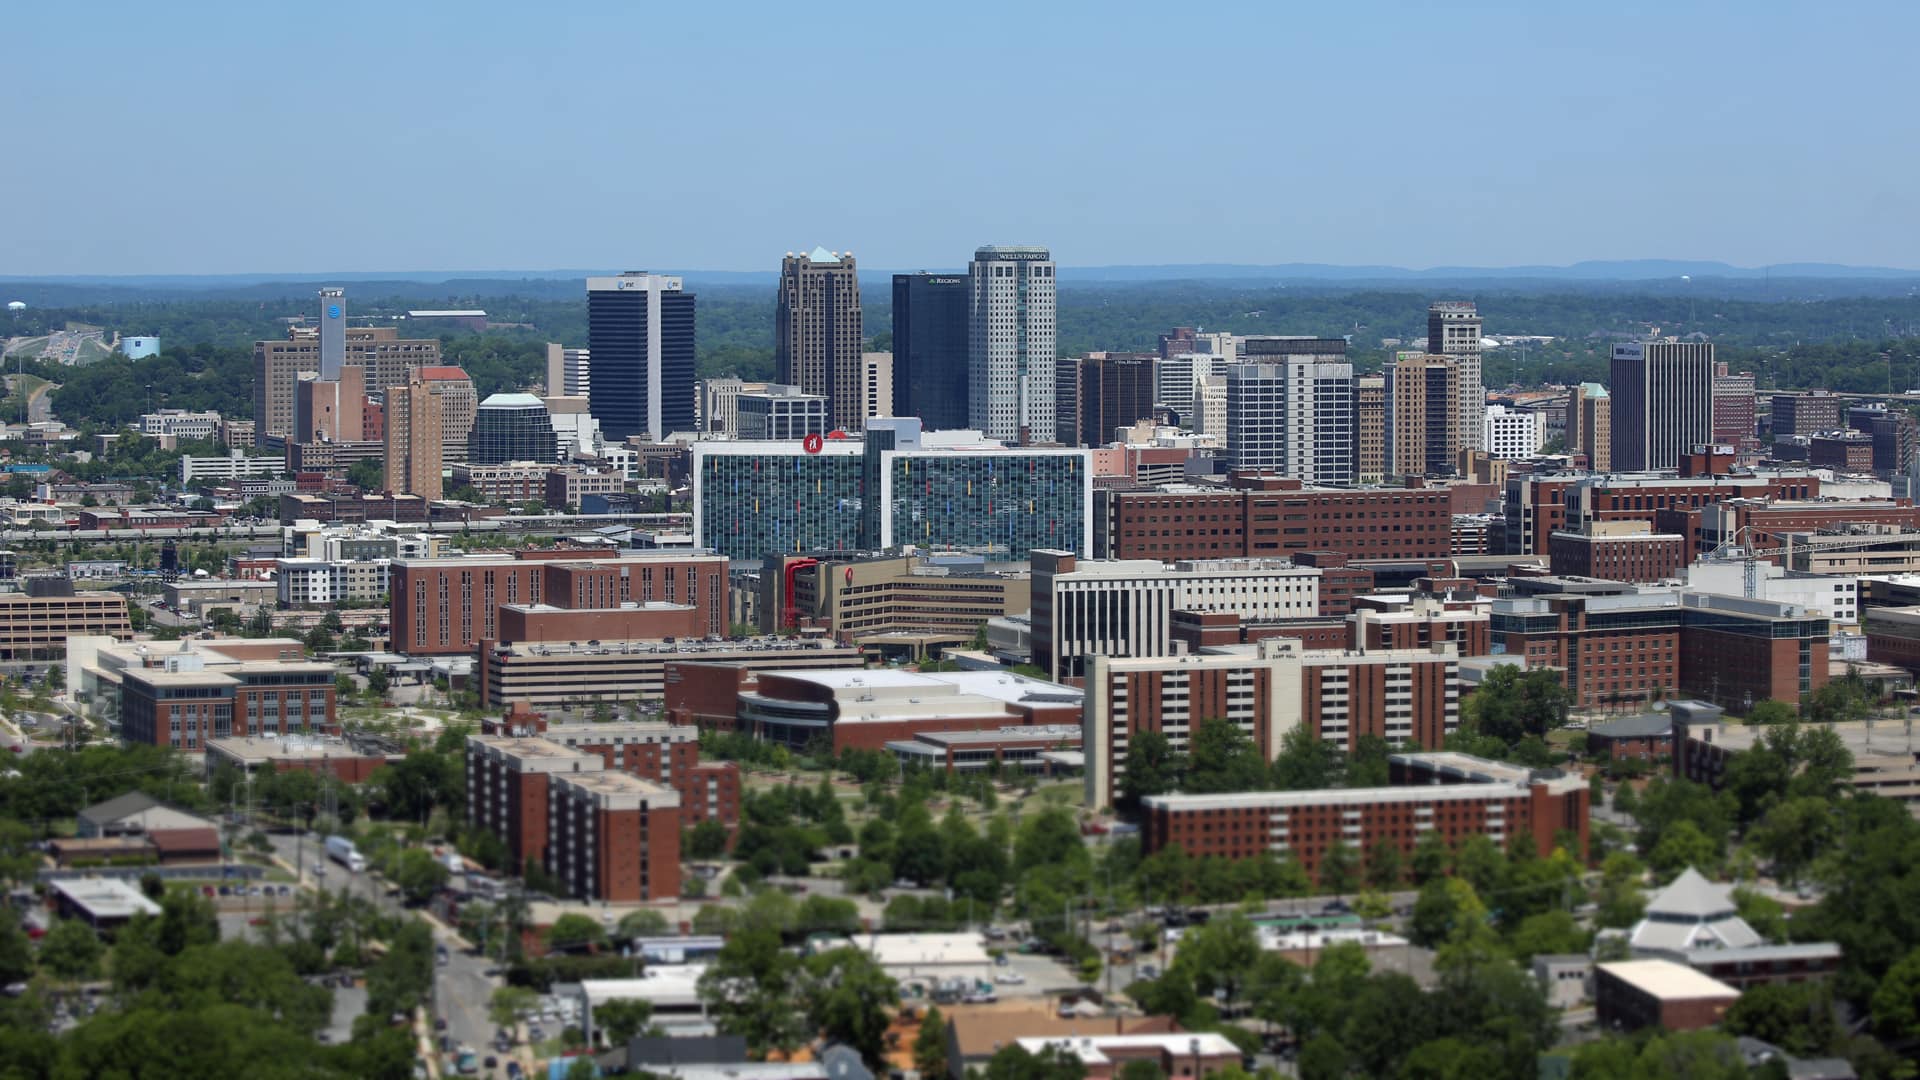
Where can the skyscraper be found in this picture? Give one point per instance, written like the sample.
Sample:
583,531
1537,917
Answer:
1453,329
640,336
512,427
1590,425
1662,402
413,439
1095,395
1010,343
1733,408
1290,409
1180,378
930,349
1370,422
333,332
876,385
1422,415
568,371
817,333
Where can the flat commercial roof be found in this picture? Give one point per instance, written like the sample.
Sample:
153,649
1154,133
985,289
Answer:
1667,980
105,898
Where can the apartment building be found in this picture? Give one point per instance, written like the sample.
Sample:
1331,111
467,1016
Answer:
1266,689
1620,551
1453,795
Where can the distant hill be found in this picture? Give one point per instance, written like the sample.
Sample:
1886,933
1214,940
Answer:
1704,278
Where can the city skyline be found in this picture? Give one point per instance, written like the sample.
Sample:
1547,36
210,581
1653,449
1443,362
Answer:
1578,137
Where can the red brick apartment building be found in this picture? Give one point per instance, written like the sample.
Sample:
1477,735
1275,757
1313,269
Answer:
442,607
609,835
1402,696
666,754
1453,795
1616,647
614,837
1272,516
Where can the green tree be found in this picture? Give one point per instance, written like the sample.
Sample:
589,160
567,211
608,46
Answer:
1013,1062
1323,1058
70,950
1510,704
1796,1017
1145,1069
930,1045
751,989
1221,758
1447,910
706,840
1793,834
1152,767
509,1003
1339,868
1772,712
573,931
1896,1001
1549,933
419,875
644,922
623,1020
1384,865
16,951
850,999
367,475
1430,856
1305,762
1683,845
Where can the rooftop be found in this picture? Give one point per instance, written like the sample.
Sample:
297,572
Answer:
512,401
104,898
1635,727
1667,980
1092,1050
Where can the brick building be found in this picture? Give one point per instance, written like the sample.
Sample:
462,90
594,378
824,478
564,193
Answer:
1450,794
447,606
1765,525
1620,551
182,706
329,756
614,837
1841,452
37,627
667,754
608,835
1272,516
1634,994
1266,690
1617,646
1808,413
1537,506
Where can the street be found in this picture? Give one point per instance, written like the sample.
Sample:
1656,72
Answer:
461,987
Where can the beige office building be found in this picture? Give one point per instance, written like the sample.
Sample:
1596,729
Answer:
278,365
414,437
817,333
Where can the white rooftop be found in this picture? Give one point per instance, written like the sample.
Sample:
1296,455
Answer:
1092,1050
105,898
666,985
910,950
1667,980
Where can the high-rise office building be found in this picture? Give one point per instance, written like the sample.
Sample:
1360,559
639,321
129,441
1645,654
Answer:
1370,424
1105,391
1290,409
512,427
779,412
413,439
817,332
876,383
458,403
1422,415
640,338
333,332
1180,378
1590,425
930,349
1453,329
1662,402
1733,407
568,371
1514,434
1010,343
379,351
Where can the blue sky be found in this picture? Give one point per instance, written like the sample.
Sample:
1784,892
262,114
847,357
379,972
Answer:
266,137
